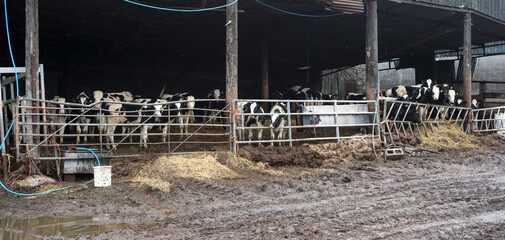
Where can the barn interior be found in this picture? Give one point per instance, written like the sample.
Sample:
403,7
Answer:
115,45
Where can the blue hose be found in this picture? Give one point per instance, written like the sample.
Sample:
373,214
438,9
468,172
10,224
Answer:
297,14
10,49
54,190
180,10
8,131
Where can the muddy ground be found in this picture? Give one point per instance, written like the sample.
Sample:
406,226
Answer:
451,194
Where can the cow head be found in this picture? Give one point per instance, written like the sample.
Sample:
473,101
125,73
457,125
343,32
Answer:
278,115
412,114
428,83
83,99
475,104
61,105
404,97
401,91
452,96
158,107
436,93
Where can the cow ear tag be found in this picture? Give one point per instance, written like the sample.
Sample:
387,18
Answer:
441,90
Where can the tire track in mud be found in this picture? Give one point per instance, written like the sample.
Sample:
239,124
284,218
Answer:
388,198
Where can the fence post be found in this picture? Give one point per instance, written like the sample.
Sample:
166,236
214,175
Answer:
100,128
337,128
169,128
289,124
233,134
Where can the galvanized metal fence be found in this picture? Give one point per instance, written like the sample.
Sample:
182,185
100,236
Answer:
305,121
488,119
96,126
65,125
397,120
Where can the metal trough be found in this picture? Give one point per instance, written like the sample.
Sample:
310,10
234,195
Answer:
82,162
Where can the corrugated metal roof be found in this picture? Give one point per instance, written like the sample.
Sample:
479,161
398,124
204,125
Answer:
345,6
493,8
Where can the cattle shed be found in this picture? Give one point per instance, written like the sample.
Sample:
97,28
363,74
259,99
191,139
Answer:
116,45
250,47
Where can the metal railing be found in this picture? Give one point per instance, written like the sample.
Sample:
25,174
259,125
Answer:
71,124
488,119
397,119
306,120
95,126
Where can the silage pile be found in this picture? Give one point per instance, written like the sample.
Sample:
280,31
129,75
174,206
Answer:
449,136
158,174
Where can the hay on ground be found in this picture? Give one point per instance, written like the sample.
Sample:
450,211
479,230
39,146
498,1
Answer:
237,162
157,174
449,136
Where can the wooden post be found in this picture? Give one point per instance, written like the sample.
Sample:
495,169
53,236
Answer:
467,60
264,70
371,52
231,52
32,68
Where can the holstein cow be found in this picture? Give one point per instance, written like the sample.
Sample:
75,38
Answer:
254,118
99,95
182,110
57,116
84,99
118,113
147,114
355,96
398,91
215,106
409,113
278,119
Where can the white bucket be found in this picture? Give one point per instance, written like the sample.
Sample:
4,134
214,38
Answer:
102,176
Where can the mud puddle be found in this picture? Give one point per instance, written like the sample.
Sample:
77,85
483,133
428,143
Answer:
12,228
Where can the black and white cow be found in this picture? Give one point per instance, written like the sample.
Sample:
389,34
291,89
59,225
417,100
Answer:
182,110
215,106
83,121
398,91
355,96
428,84
119,113
110,98
253,118
57,116
278,119
397,112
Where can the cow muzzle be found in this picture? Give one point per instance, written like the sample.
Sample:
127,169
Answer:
271,126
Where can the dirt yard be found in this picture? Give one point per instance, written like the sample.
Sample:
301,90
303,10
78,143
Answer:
325,191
